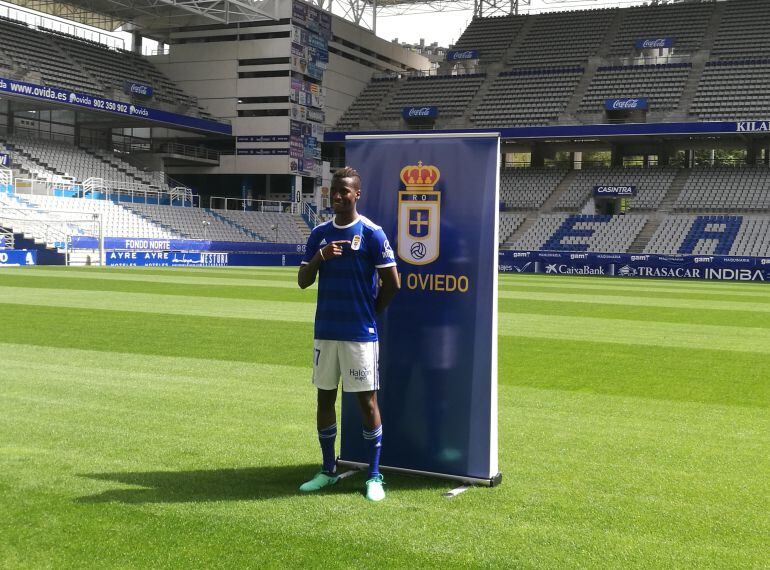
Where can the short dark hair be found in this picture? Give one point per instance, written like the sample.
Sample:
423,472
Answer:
347,172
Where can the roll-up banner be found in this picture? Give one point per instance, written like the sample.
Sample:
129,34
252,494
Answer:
436,197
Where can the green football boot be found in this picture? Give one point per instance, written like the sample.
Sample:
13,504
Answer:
318,482
374,488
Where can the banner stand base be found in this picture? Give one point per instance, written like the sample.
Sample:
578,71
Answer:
491,482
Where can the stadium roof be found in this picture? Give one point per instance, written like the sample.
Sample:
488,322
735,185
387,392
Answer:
111,14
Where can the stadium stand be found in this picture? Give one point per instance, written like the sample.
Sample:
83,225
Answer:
509,223
563,38
726,189
662,84
368,102
25,50
564,232
223,225
528,188
652,185
733,90
490,36
743,29
712,235
84,66
686,23
527,97
451,94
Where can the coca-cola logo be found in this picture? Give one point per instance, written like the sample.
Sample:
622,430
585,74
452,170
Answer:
467,54
654,43
419,112
625,104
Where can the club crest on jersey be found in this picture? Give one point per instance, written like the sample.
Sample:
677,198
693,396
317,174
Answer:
355,244
419,214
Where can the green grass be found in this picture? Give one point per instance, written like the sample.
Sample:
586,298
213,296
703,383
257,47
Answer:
164,418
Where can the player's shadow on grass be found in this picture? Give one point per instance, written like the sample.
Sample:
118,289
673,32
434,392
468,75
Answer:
247,484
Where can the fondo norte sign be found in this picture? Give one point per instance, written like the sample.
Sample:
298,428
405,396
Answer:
416,113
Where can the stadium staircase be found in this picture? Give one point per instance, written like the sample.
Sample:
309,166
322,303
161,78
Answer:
677,185
373,123
519,232
570,113
235,224
302,226
644,236
553,199
518,41
690,87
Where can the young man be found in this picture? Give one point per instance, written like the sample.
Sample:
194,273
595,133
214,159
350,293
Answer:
349,254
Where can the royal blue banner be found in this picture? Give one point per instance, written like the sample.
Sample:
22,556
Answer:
147,244
462,54
199,259
654,43
132,88
98,103
712,267
626,104
436,198
5,160
18,257
613,191
411,113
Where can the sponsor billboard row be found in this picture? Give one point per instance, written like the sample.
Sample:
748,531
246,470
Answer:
711,267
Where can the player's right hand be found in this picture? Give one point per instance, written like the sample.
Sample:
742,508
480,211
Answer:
334,249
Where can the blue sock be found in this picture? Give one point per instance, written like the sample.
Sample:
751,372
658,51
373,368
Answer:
374,440
327,437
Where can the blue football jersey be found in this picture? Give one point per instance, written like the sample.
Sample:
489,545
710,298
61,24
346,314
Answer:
347,285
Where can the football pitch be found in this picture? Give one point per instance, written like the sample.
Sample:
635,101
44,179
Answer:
157,418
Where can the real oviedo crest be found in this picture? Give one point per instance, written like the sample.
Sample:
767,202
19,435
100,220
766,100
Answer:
419,214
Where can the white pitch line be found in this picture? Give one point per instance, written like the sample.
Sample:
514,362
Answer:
456,491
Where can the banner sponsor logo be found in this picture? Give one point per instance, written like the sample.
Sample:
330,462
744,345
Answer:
262,138
614,190
653,43
459,55
564,269
263,151
132,88
98,103
5,159
419,215
18,257
625,104
752,126
419,112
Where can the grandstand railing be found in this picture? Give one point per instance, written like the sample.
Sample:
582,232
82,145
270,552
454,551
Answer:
45,23
189,150
309,212
226,203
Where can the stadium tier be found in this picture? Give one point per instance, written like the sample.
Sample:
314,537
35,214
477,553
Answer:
450,94
701,61
726,189
490,36
661,85
688,23
528,188
56,59
652,185
527,97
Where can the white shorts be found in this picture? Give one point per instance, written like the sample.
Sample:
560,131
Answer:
356,362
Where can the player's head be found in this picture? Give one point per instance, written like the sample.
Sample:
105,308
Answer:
345,190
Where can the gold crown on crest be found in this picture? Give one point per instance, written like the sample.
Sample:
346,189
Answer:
419,177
